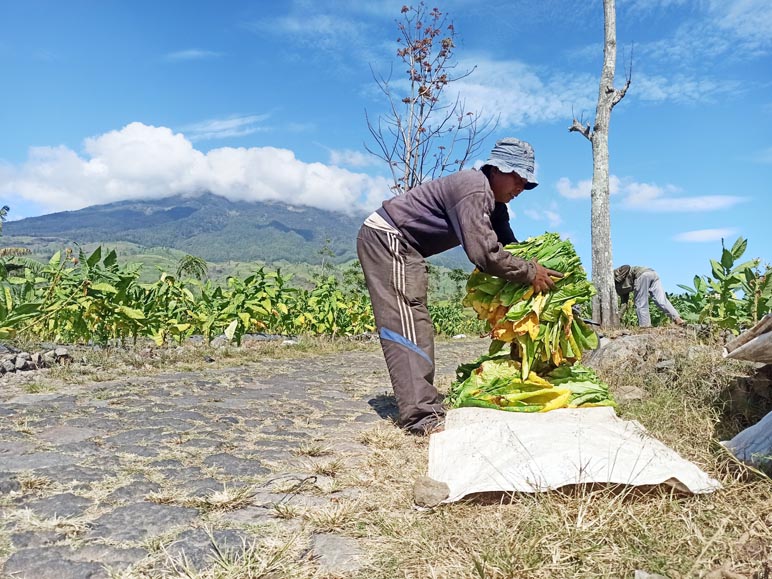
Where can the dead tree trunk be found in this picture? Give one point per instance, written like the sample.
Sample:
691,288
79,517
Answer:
604,305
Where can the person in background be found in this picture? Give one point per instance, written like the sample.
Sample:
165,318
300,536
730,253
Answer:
467,208
643,282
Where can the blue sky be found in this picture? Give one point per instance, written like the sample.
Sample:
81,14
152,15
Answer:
110,100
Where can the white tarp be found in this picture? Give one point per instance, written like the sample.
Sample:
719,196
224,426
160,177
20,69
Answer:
753,445
484,450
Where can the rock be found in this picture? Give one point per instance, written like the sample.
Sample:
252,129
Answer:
62,506
336,555
629,394
665,365
629,350
140,521
59,562
61,354
429,493
646,575
58,435
4,349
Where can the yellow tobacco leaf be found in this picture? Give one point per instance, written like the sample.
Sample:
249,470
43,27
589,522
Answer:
538,303
503,331
567,311
533,378
528,324
560,401
494,315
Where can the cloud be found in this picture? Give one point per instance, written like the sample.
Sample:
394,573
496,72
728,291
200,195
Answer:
319,35
552,217
749,21
522,94
191,54
683,89
583,189
705,235
649,197
711,29
141,162
646,6
236,126
655,199
579,191
349,158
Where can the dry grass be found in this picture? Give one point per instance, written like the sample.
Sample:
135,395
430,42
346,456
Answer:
583,532
258,560
313,449
99,364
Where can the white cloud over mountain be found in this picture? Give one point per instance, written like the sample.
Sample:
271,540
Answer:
141,161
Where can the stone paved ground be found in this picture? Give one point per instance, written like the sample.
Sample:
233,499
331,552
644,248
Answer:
129,476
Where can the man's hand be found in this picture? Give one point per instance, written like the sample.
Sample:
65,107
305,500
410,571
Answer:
542,281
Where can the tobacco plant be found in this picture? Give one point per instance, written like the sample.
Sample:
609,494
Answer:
734,296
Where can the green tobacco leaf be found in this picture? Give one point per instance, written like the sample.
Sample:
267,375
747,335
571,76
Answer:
727,259
718,270
94,258
111,259
746,265
56,259
132,313
103,287
739,247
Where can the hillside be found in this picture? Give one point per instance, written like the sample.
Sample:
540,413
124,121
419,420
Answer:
208,226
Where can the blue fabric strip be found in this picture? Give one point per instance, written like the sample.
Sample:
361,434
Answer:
387,334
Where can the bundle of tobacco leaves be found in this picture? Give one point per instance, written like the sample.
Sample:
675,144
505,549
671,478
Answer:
496,382
542,334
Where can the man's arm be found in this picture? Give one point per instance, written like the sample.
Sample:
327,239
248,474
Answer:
500,223
472,224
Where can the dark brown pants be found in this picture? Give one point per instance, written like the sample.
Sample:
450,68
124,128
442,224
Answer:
397,280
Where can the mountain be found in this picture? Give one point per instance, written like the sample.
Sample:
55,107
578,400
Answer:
208,226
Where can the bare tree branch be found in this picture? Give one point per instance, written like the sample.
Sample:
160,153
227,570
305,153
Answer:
620,94
420,137
576,127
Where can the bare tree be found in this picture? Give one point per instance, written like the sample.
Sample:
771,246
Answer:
422,137
604,305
